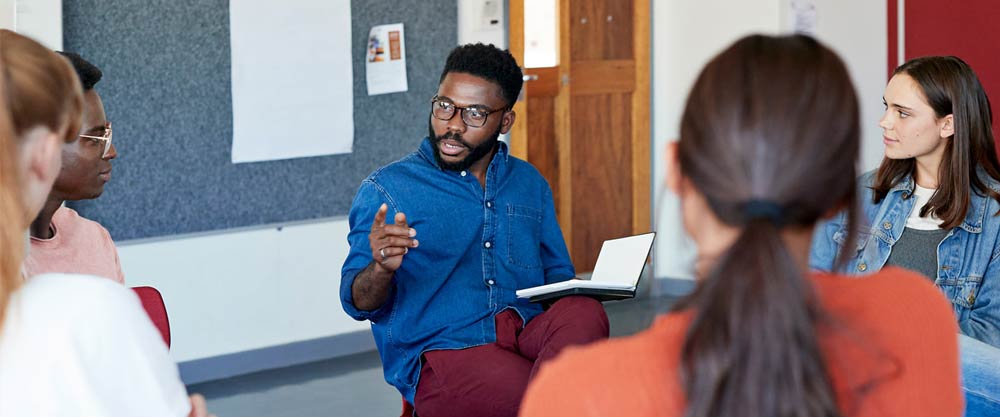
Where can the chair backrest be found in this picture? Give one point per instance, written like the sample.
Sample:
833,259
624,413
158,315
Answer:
407,409
152,302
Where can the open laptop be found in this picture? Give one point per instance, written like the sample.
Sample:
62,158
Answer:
616,274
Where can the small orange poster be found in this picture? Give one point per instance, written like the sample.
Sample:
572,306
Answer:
394,39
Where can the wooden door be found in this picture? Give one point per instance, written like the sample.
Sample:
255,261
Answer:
585,124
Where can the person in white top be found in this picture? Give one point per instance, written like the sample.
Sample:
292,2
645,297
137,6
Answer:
82,345
70,345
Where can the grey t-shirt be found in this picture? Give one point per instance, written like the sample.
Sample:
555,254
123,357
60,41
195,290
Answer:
916,250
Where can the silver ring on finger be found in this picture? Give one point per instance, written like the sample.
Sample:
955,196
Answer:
382,252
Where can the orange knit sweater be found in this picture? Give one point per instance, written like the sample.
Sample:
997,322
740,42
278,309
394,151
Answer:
901,334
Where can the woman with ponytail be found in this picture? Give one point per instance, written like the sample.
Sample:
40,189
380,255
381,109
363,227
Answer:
769,130
70,345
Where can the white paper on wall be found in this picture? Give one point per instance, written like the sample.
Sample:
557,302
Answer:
385,60
292,79
802,16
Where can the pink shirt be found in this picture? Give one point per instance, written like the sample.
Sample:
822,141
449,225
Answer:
79,246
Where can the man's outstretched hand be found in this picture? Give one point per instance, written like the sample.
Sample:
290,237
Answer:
390,242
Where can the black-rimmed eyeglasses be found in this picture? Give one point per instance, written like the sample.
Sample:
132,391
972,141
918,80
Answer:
473,116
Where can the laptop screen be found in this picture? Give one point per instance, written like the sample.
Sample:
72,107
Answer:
622,260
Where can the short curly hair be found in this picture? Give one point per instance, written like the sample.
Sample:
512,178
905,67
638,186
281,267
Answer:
89,73
490,63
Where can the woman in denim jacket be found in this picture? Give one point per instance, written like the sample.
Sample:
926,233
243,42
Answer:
932,205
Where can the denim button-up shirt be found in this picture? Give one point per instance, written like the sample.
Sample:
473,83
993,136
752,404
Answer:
477,247
968,258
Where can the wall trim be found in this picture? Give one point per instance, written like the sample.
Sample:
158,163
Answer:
278,226
274,357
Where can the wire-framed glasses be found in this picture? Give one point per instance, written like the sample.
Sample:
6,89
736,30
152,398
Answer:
104,140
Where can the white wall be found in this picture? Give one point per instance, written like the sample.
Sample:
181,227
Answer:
39,19
856,29
687,33
235,291
8,13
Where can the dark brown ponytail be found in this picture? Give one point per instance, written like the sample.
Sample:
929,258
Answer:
770,136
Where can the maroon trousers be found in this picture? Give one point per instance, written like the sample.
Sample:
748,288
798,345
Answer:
489,380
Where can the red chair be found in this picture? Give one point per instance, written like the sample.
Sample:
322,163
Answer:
152,302
407,409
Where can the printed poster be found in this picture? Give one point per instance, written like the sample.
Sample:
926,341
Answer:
385,60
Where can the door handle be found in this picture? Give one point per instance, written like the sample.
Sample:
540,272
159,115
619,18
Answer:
530,77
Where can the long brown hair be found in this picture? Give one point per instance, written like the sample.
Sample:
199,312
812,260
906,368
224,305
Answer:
950,87
37,88
770,136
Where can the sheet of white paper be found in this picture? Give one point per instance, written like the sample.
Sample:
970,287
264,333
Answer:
293,82
385,60
802,16
621,260
618,267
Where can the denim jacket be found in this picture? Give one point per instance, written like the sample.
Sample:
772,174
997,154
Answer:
477,248
968,257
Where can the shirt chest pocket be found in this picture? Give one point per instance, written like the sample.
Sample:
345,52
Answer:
524,235
962,291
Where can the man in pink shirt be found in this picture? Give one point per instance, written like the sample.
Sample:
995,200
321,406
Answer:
61,240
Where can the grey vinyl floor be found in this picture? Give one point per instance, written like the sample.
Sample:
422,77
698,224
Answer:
353,385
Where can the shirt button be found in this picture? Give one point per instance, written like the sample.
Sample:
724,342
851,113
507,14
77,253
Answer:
488,245
887,225
489,204
862,267
491,282
464,173
972,299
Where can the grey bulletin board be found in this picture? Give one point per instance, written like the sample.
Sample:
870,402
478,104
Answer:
167,91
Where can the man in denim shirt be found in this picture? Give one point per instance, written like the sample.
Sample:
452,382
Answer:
452,335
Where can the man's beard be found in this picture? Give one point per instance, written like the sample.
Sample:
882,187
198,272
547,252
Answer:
475,152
